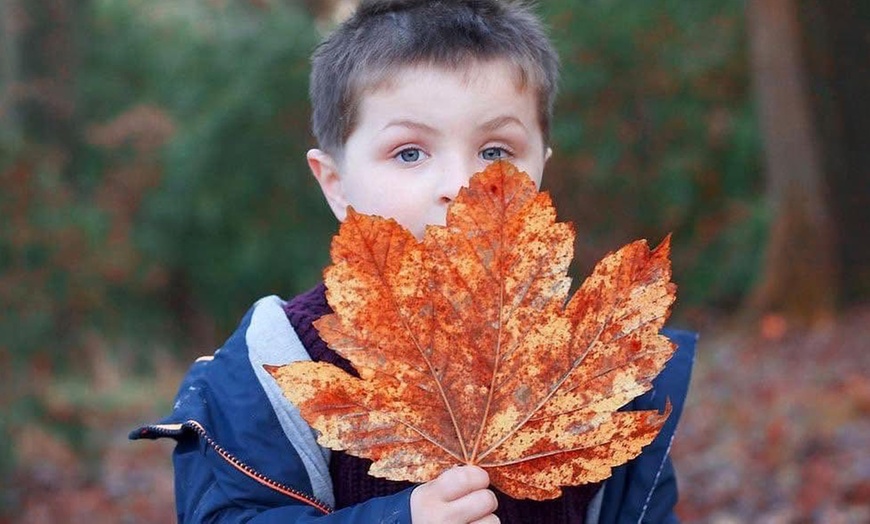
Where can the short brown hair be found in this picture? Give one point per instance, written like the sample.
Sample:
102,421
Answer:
385,35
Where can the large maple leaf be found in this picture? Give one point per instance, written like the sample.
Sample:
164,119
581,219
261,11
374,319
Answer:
469,351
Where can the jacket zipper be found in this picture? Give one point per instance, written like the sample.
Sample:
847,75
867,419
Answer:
241,466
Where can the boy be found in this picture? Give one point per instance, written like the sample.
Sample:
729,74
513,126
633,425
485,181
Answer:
409,99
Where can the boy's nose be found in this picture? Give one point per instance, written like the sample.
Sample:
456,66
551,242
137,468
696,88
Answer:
453,176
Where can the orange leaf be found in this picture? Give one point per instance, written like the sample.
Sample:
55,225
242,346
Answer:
470,352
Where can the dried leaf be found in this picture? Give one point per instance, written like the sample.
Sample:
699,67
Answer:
469,351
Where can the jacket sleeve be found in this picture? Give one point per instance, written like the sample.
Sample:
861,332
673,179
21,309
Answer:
663,499
393,509
238,456
209,490
644,490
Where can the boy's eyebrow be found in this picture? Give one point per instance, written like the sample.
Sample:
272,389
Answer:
501,121
488,126
410,124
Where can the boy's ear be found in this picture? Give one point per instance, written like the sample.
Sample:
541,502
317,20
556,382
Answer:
325,169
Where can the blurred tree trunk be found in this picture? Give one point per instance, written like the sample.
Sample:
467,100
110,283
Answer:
799,276
837,40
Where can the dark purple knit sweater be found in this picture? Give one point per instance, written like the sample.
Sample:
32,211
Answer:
351,482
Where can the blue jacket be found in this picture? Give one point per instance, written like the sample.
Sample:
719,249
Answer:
244,454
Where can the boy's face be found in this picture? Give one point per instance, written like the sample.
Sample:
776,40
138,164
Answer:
420,137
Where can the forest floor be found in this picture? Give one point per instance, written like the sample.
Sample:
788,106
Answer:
777,426
776,430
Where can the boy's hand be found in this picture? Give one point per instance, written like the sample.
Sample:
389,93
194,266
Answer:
457,496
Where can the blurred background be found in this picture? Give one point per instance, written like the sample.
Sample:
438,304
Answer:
153,185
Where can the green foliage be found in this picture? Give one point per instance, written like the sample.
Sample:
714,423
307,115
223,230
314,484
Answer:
655,133
183,189
236,214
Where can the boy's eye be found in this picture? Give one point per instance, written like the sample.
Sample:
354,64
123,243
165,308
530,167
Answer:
410,155
493,153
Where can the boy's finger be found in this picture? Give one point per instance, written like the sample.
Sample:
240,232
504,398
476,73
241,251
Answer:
459,481
473,507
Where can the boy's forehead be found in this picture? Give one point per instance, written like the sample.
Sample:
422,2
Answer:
467,72
486,97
